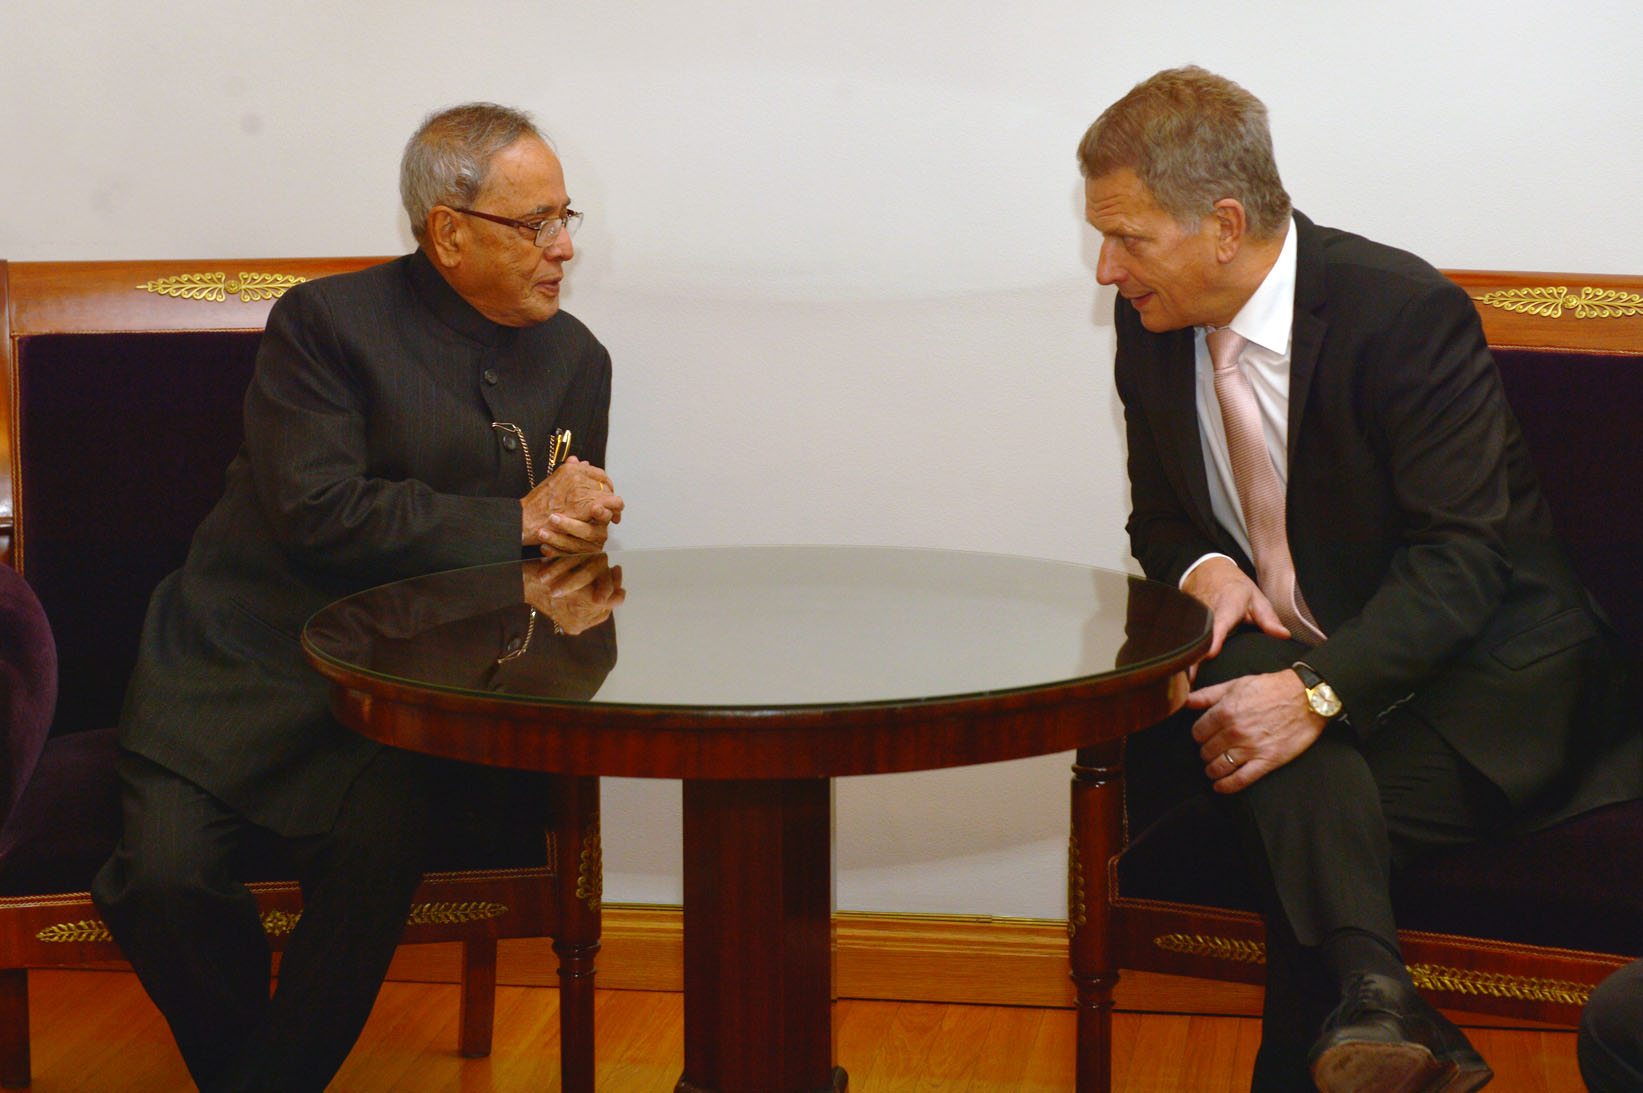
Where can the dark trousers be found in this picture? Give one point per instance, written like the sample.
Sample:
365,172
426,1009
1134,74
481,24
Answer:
1610,1044
1321,836
173,900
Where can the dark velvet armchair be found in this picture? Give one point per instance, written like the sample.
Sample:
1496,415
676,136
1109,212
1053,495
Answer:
1520,927
121,386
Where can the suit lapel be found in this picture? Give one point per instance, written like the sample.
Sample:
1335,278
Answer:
1307,332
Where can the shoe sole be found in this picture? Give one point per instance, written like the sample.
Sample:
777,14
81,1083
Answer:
1383,1068
1466,1079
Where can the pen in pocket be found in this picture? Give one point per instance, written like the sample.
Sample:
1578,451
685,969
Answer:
560,448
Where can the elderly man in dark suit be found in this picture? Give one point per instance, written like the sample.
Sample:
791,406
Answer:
404,419
1402,660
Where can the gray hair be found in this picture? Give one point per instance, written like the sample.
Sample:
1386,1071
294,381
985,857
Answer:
1192,138
448,158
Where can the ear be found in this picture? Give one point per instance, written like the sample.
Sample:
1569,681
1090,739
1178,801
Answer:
445,237
1231,226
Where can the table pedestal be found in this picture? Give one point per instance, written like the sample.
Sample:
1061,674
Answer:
758,937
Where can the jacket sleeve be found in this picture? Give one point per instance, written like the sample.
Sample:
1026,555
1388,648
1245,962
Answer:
306,436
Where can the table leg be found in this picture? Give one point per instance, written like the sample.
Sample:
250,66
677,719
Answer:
579,890
1097,828
758,937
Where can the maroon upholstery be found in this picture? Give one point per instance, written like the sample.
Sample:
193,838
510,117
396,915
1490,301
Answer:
60,801
1575,886
111,489
1581,414
28,683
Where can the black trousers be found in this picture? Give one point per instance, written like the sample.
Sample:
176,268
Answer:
1321,836
1610,1044
172,898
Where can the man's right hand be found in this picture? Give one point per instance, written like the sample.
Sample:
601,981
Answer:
570,512
1232,598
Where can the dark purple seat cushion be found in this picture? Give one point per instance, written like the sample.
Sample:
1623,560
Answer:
1577,886
65,825
60,808
66,822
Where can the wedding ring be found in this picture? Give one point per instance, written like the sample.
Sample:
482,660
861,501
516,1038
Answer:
1227,755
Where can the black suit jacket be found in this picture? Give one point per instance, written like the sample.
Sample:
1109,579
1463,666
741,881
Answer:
369,455
1420,538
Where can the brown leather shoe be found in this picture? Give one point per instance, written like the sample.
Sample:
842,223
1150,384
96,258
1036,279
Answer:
1384,1038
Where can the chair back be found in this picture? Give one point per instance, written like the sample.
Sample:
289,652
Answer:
111,490
128,381
1580,414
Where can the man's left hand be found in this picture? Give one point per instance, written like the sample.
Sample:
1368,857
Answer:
1251,726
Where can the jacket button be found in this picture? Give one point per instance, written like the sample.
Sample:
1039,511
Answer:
509,441
489,376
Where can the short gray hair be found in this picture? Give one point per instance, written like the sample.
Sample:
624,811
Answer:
1192,138
448,157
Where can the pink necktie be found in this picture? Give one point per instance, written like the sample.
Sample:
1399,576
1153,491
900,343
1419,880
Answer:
1259,491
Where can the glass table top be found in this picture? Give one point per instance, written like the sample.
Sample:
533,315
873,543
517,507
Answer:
758,627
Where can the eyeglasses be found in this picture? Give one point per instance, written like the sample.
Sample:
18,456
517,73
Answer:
543,231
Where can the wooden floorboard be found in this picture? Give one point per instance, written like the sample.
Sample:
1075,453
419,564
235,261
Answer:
96,1032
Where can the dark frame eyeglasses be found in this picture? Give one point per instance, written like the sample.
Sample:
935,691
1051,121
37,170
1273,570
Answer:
543,231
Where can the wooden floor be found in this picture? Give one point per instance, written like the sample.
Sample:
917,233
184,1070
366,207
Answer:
96,1032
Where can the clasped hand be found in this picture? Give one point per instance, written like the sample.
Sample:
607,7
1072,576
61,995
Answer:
1254,724
572,510
578,592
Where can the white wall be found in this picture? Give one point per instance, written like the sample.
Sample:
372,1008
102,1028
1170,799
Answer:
835,248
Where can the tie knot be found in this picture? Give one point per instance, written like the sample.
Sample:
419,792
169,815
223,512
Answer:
1224,346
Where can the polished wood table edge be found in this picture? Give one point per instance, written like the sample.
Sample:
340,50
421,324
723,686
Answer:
779,742
711,718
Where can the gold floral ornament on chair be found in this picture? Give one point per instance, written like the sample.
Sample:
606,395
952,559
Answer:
1551,301
250,287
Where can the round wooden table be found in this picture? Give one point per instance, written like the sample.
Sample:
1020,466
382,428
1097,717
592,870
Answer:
756,675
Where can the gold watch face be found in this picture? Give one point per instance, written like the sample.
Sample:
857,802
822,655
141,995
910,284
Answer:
1323,700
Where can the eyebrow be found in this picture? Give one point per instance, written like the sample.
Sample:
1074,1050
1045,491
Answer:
547,210
1126,228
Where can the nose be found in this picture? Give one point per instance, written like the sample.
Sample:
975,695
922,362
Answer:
559,247
1107,269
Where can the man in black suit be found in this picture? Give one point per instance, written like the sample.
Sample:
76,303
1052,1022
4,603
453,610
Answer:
400,420
1402,660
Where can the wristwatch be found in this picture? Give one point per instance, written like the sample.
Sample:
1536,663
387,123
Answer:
1320,696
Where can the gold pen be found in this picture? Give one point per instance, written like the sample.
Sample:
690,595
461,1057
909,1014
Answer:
561,448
